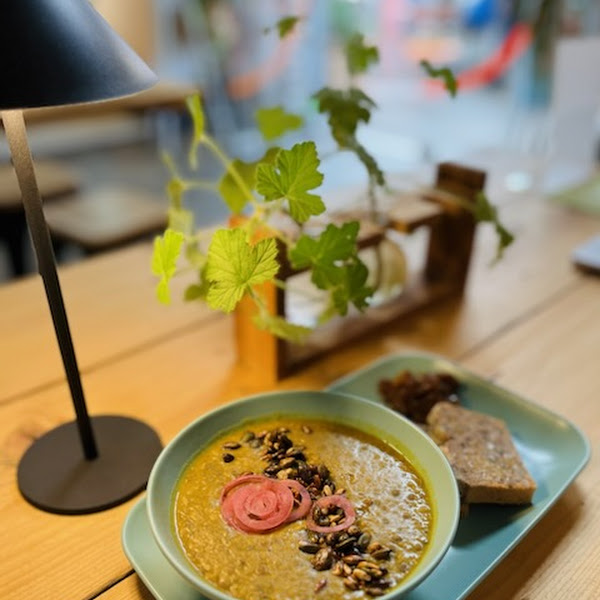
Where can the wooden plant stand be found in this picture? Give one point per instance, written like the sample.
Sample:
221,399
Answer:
451,233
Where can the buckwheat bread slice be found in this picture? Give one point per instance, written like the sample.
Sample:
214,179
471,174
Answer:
485,461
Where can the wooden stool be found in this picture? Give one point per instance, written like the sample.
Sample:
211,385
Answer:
54,181
106,217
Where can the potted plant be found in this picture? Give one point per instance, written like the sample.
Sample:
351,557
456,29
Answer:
279,224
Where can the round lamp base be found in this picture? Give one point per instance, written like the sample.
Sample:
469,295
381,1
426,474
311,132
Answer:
54,475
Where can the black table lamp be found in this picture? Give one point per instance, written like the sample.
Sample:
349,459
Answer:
56,52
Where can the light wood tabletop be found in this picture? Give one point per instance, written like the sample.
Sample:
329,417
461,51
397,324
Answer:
531,324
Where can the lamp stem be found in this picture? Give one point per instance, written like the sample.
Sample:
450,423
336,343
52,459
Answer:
16,135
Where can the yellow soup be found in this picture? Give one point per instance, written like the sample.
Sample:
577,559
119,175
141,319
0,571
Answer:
291,562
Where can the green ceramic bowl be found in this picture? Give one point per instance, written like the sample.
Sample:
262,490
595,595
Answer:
372,418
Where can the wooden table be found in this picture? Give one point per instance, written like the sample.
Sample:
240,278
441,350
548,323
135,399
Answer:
532,324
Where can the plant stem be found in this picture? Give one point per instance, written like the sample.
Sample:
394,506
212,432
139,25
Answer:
373,215
228,164
372,200
200,184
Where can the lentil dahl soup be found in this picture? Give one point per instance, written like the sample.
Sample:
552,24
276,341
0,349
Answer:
361,532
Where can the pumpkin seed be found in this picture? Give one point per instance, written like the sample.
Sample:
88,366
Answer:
232,445
345,546
248,436
381,554
350,583
323,472
323,559
363,541
360,574
308,547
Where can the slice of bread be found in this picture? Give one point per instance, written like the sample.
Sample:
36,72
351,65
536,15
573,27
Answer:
486,464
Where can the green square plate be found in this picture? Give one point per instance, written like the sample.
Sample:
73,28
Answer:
553,449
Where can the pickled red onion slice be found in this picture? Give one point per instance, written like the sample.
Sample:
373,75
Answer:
272,500
241,480
261,505
305,500
257,504
327,502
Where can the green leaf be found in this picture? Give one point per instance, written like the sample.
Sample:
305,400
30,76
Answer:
360,57
284,26
485,211
352,288
294,173
274,122
444,73
230,191
333,258
345,109
194,292
333,244
232,194
270,156
346,285
281,328
234,266
197,291
164,261
505,239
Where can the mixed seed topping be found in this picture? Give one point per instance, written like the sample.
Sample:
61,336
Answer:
350,554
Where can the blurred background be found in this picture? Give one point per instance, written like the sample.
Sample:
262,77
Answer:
526,111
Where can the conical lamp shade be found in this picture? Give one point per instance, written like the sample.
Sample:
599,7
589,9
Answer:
55,52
